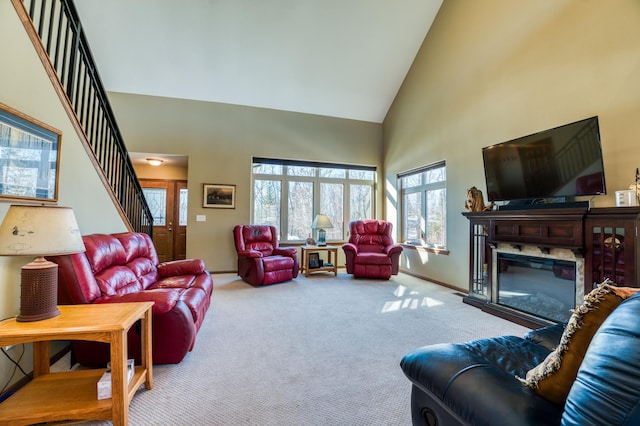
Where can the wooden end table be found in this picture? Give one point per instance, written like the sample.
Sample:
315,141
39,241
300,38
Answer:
73,395
332,253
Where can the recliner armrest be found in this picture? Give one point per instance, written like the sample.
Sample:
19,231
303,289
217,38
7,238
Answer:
249,253
181,267
350,247
548,337
477,381
395,248
286,251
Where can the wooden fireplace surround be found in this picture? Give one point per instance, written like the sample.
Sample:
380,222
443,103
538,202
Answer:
607,238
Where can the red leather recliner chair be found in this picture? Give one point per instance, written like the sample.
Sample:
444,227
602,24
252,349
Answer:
260,260
370,252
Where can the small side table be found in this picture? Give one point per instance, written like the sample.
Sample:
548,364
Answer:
332,253
73,395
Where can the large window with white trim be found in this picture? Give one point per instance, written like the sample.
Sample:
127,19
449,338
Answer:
289,194
424,206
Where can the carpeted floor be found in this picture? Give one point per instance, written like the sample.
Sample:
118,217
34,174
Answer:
313,351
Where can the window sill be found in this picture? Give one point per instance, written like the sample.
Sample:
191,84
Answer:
428,249
302,244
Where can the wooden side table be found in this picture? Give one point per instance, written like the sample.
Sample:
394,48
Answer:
73,395
332,253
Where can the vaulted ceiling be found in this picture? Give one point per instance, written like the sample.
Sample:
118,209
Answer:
338,58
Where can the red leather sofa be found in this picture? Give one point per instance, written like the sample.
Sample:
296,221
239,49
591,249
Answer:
260,260
370,252
124,268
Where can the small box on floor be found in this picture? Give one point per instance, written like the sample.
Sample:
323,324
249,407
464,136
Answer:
104,384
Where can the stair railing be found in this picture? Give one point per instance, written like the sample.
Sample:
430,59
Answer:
56,32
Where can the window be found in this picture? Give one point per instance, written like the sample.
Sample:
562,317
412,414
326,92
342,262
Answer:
157,201
289,194
424,206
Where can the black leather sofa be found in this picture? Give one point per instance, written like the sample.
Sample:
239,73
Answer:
476,383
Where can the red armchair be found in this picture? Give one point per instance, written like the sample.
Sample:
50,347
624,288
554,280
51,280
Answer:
260,260
370,252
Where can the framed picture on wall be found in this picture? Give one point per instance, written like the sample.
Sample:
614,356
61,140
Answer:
29,157
219,196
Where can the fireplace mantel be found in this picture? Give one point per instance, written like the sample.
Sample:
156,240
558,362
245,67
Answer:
545,229
607,239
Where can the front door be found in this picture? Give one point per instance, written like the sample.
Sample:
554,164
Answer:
167,200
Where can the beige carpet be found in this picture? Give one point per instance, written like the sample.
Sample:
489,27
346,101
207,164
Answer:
314,351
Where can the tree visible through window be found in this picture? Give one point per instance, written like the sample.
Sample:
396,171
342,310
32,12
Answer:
424,206
289,194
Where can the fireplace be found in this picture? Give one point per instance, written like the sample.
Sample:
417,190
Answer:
583,236
545,288
542,285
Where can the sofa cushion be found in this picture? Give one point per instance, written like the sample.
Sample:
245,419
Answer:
163,299
103,251
140,256
553,377
137,245
180,281
144,270
369,239
258,238
117,280
370,235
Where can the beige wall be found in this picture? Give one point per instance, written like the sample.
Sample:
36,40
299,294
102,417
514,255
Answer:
162,172
494,70
220,141
24,85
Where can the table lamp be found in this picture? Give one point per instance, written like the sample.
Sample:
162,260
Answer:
39,231
321,222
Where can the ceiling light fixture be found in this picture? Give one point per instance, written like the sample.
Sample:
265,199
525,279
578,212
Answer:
154,161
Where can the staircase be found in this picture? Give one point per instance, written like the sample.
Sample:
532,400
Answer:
56,33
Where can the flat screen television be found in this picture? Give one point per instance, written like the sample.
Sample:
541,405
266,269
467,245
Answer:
554,165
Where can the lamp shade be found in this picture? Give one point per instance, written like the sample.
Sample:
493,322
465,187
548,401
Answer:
39,231
321,221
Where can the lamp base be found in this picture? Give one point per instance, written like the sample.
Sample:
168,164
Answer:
322,241
38,291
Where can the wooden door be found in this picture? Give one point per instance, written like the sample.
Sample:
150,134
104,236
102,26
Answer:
180,221
167,200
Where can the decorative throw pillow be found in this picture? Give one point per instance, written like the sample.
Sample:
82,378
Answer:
553,377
